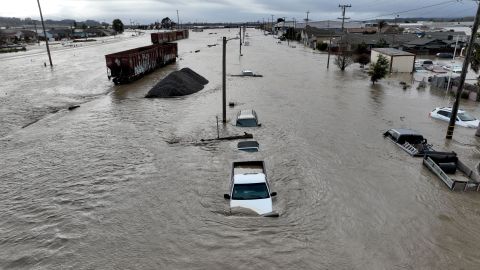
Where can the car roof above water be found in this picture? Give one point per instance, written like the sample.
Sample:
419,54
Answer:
246,114
448,109
405,131
249,178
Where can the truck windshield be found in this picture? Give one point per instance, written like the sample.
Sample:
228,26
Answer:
250,191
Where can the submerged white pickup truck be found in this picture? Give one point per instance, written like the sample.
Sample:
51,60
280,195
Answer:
249,188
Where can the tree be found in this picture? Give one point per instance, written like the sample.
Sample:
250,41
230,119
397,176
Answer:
167,23
84,26
475,59
322,46
382,43
379,69
381,24
117,25
280,20
363,59
362,48
344,57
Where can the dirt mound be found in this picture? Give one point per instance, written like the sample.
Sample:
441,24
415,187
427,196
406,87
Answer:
178,83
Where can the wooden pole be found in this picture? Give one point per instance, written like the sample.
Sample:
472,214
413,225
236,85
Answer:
224,82
45,34
453,117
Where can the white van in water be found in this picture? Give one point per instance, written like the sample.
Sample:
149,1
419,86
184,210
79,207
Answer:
425,62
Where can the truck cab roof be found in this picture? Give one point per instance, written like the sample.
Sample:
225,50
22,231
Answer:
249,178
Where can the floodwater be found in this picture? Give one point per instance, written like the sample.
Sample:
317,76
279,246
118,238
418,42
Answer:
124,182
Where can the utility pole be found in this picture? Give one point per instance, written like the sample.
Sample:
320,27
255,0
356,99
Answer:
240,36
329,45
343,7
396,28
308,12
224,81
273,27
244,30
45,34
453,117
178,21
36,32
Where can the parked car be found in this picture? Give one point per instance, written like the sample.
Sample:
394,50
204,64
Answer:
453,68
420,69
248,146
249,73
425,62
247,118
249,188
445,55
463,118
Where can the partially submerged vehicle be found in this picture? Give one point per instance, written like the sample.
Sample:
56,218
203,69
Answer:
247,118
250,189
248,146
409,140
452,171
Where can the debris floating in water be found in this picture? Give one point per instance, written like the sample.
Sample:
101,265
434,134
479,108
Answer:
178,83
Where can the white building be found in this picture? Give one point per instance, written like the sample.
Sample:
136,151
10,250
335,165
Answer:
400,61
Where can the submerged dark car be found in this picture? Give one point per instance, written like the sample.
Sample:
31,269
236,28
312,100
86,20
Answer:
409,140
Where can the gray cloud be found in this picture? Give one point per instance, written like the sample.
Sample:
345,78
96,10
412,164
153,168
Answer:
145,11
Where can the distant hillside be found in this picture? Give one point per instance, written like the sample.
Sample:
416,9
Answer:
17,22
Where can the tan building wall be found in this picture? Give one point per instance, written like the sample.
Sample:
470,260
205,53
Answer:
398,64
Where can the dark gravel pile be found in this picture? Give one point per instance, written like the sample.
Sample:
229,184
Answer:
178,83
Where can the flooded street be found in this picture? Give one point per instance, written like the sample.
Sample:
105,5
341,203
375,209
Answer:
124,182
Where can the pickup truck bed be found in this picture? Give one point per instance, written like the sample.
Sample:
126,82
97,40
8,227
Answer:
248,167
452,171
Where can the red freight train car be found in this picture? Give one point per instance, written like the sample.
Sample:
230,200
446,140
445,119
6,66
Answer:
129,65
162,37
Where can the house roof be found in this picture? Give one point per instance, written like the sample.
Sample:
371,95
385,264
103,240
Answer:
362,30
392,52
329,24
373,39
426,41
317,32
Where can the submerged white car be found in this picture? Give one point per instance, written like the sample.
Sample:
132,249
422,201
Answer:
463,118
247,118
249,188
453,68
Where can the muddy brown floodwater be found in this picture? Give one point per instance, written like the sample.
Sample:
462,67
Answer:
122,182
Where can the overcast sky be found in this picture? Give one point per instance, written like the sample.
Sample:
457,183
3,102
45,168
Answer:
146,11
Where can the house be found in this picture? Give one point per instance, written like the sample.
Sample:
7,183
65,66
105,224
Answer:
311,36
430,46
400,61
376,40
9,36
